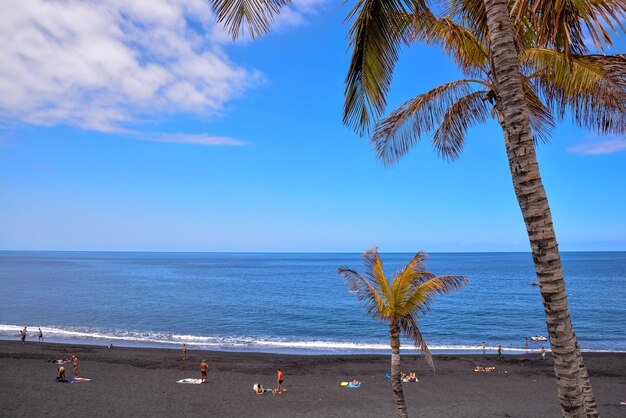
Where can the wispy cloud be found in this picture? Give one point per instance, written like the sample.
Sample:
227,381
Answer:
600,147
195,139
106,65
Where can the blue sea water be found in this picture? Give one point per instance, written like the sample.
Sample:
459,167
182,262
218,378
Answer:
293,303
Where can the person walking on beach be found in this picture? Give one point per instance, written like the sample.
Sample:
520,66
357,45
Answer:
500,352
184,351
543,353
75,366
203,369
23,335
40,335
484,348
280,377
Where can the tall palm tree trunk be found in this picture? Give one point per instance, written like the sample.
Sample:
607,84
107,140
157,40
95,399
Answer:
396,383
590,403
531,196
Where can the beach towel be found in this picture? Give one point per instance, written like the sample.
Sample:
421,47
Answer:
484,369
58,361
190,381
623,403
351,385
77,380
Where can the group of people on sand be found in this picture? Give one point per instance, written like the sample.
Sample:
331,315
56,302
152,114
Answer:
24,334
411,377
61,370
204,368
259,389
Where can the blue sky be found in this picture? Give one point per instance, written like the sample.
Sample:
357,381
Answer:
142,127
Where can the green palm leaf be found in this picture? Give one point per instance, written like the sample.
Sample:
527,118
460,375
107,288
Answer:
409,327
450,135
563,23
252,16
365,292
375,37
467,50
395,135
374,269
591,87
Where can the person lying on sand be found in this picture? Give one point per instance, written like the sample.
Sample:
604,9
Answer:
259,389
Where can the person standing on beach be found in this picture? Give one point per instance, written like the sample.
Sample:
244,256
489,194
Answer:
23,335
500,352
484,348
184,351
75,366
280,377
203,369
543,353
40,335
526,342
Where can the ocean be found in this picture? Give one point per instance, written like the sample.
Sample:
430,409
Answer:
294,303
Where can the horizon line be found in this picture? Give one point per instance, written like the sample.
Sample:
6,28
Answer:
299,252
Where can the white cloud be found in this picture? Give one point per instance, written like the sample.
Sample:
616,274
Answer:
196,139
600,147
107,65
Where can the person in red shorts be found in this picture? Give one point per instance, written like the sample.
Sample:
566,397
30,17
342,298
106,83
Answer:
280,377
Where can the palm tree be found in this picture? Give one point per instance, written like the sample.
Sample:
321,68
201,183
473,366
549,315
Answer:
399,304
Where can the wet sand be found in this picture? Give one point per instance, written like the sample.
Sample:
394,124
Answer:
132,382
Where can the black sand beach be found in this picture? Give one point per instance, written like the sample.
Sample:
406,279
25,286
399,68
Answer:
131,382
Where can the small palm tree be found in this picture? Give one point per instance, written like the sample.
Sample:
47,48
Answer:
399,304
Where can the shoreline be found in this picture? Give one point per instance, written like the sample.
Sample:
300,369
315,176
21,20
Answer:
406,349
128,381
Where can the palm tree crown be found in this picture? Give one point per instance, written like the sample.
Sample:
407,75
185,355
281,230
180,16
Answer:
592,88
402,301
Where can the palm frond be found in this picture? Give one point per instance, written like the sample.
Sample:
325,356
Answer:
564,23
396,134
405,279
422,297
409,327
374,269
467,111
467,50
247,16
376,34
591,87
365,292
469,13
